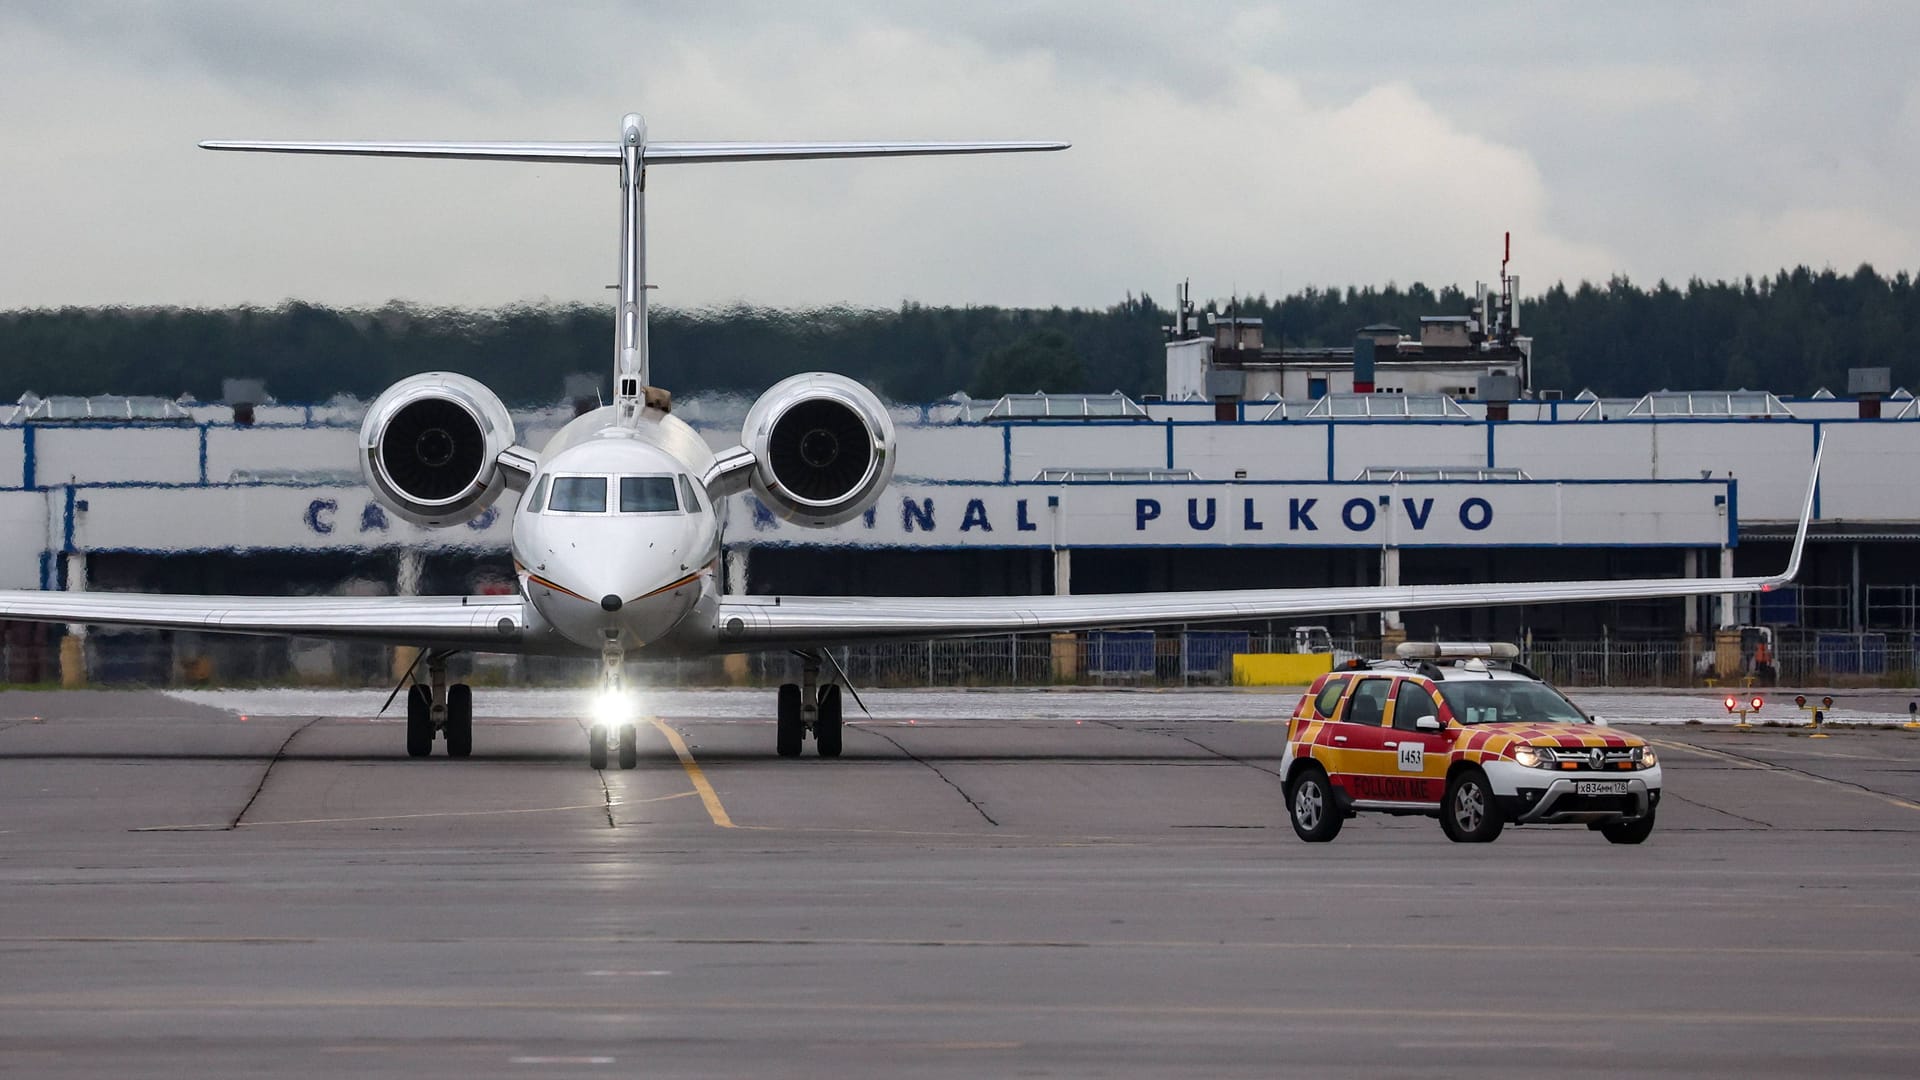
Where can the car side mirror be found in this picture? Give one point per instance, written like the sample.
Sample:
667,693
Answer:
1598,721
1427,723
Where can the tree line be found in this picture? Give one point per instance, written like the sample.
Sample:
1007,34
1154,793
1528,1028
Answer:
1792,333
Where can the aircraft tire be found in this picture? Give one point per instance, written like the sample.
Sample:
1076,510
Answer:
597,746
826,727
459,720
629,746
419,721
790,730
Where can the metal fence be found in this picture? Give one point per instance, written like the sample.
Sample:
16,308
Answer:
1192,658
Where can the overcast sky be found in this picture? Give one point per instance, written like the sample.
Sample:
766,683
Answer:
1252,147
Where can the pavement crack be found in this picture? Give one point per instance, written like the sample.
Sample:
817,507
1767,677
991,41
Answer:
606,792
1810,774
1191,741
931,767
268,771
1717,810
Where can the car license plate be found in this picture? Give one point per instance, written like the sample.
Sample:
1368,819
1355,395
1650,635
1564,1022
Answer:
1600,787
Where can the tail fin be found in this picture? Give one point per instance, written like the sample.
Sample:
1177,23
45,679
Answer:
632,153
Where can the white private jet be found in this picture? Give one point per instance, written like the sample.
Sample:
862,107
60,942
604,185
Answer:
617,535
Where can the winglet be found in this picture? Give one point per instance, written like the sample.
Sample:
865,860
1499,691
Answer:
1806,518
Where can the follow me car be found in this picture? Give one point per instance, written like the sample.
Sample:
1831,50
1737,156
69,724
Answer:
1465,733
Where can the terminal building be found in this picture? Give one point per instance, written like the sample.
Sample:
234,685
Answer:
1422,457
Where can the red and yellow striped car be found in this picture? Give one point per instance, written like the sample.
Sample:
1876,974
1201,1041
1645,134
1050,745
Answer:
1465,733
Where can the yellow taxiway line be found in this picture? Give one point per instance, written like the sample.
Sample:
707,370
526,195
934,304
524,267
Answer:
695,773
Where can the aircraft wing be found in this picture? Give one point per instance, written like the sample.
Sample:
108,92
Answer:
813,621
801,621
480,623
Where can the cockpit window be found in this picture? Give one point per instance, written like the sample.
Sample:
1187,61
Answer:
579,494
647,495
538,497
687,496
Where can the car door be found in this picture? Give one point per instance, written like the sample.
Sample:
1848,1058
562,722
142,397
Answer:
1420,757
1359,760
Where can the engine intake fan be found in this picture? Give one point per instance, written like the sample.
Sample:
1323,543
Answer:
429,448
823,447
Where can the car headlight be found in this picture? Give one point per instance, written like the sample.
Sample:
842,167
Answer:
1533,757
1648,759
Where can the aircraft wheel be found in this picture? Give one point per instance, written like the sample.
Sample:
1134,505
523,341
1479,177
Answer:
419,721
791,728
826,727
459,720
597,746
629,746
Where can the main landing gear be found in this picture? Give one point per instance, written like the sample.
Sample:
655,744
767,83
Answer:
614,720
808,708
439,709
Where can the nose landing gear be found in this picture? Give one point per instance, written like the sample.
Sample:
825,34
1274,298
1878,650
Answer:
808,708
618,725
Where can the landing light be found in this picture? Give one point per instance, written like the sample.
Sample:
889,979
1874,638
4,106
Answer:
613,709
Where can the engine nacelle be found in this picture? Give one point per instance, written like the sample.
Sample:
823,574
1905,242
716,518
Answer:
430,445
823,448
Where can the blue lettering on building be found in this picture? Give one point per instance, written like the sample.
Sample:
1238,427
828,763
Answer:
1476,513
1020,521
1362,509
318,523
763,518
485,520
921,512
975,517
1193,514
1418,514
1298,515
873,512
372,517
1249,522
1144,510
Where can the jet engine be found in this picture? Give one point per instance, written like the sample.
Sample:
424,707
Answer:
823,448
430,448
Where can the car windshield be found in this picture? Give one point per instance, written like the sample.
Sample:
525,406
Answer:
1508,701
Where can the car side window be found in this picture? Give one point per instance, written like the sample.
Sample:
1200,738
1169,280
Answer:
1368,702
1411,703
1328,699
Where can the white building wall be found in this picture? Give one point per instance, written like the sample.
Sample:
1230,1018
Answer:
230,449
1358,446
1086,446
1266,451
24,535
95,455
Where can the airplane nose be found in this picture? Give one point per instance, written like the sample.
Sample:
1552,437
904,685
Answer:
610,602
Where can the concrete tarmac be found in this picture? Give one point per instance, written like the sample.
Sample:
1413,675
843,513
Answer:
187,892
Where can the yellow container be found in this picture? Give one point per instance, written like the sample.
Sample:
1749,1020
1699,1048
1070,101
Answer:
1279,669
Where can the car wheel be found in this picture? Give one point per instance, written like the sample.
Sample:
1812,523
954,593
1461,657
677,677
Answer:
1469,814
1316,817
1628,832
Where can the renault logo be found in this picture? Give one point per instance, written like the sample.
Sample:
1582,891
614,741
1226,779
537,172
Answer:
1598,757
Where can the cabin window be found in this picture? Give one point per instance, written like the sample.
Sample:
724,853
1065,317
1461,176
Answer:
647,495
579,494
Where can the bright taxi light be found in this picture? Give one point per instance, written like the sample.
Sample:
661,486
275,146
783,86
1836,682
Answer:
1730,703
1757,702
614,709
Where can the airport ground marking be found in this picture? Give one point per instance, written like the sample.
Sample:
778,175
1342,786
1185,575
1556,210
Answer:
709,797
1814,778
216,827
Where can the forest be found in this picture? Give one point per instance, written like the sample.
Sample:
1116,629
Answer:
1793,333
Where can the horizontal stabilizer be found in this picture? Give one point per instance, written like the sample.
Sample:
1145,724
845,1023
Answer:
608,153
